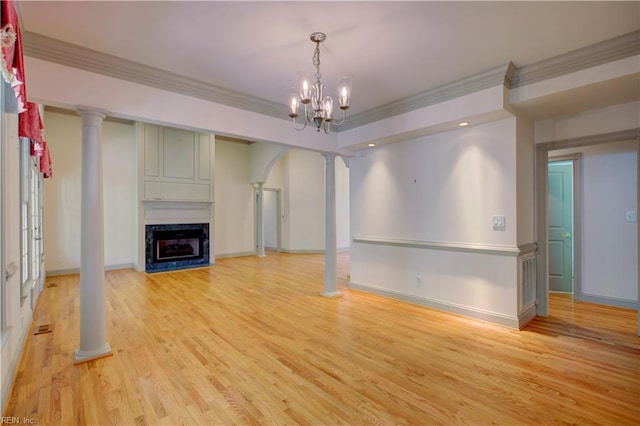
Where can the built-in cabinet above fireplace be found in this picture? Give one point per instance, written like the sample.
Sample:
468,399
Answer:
175,187
177,164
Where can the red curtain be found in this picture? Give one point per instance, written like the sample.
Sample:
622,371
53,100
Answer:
12,61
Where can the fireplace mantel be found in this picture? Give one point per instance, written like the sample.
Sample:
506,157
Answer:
176,204
175,180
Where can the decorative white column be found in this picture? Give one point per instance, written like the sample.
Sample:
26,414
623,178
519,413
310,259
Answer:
330,239
259,194
93,342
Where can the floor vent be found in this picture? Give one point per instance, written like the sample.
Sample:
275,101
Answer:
42,329
52,285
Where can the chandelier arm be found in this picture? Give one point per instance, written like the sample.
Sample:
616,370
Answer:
293,121
308,113
344,117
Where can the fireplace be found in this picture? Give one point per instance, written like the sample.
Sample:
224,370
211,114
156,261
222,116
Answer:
176,246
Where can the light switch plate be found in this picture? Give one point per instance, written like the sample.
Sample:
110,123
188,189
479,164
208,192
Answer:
498,222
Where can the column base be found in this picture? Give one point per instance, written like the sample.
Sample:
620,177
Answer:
84,356
331,294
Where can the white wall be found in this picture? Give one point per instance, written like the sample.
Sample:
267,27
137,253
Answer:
234,200
62,193
610,251
421,216
444,187
305,208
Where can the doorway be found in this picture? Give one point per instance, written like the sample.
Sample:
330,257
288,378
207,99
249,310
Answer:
272,219
623,140
560,223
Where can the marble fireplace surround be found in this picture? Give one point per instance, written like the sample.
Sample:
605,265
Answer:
164,215
190,238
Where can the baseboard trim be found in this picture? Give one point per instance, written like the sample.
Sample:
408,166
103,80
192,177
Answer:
303,251
609,301
239,254
527,315
72,271
440,305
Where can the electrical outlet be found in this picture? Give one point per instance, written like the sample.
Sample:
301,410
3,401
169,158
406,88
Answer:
418,279
631,216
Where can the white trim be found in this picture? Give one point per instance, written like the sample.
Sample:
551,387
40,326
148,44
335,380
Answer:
526,315
303,251
238,254
453,308
71,271
600,53
448,246
609,301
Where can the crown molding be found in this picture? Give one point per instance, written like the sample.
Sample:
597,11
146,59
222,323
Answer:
63,53
68,54
590,56
456,89
579,142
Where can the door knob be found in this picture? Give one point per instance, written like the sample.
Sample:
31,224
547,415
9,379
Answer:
566,235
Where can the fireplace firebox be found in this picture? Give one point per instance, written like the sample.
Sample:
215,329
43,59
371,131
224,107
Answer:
176,246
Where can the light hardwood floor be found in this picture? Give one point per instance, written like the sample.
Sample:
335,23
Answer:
250,341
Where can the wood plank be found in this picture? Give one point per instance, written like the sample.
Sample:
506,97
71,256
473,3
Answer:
250,341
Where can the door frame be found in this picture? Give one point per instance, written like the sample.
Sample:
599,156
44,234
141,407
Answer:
278,193
576,183
541,182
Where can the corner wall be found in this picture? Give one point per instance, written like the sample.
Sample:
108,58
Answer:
422,220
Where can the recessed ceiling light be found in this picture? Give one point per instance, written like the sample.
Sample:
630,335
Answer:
463,123
371,144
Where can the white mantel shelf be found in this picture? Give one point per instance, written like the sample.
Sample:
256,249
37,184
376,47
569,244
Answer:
164,204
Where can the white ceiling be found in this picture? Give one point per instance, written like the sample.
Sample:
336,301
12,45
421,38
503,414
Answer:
391,49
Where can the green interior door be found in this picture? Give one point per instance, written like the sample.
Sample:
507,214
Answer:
560,221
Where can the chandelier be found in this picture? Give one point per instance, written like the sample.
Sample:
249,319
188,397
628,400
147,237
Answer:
318,108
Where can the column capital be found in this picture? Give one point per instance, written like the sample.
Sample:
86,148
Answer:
329,155
85,111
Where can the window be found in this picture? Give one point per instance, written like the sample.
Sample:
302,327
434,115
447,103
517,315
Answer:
25,174
30,219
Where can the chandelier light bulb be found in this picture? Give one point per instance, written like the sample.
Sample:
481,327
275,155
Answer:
344,91
294,106
328,108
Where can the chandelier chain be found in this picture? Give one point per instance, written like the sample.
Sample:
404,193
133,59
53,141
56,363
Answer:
316,61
